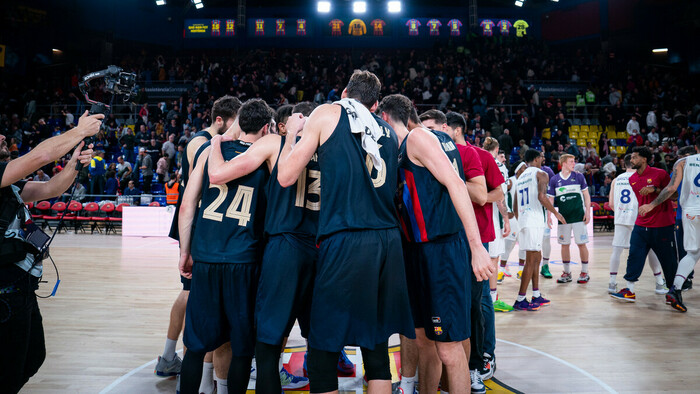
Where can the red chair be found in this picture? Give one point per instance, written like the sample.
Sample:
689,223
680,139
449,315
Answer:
93,210
117,216
75,208
609,211
602,219
108,209
42,208
84,217
154,204
58,209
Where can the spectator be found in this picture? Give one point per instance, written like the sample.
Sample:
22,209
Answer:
41,176
653,137
112,184
605,187
143,136
146,170
633,126
124,171
133,192
162,168
505,141
97,170
170,148
127,142
651,119
79,192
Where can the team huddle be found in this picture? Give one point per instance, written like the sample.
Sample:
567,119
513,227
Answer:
361,219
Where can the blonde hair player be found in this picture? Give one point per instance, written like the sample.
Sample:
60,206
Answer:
568,191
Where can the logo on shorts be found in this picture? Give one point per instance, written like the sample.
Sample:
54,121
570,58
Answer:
436,320
584,237
438,330
561,237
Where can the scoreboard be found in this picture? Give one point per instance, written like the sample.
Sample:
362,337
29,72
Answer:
210,28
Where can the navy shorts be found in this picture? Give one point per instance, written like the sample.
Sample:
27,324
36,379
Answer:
186,283
360,296
285,287
440,287
221,308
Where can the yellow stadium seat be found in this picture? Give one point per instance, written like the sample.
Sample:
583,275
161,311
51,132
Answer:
574,128
583,134
585,128
610,129
581,142
595,128
546,134
573,134
592,140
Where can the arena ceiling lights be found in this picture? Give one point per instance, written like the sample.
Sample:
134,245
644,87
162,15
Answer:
359,7
394,7
160,2
519,3
198,4
323,7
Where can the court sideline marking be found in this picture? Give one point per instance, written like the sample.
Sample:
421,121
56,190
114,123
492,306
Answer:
568,364
557,359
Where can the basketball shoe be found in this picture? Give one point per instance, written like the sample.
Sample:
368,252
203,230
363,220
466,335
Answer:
168,368
661,289
289,381
477,384
541,301
524,305
545,271
500,306
625,295
565,277
675,299
583,278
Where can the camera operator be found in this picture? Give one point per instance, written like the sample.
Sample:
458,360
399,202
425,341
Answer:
21,331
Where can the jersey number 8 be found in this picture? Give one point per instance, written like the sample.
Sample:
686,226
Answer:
625,196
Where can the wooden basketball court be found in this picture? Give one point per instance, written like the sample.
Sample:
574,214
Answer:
107,324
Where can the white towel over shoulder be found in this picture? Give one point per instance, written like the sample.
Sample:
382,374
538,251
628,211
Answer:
362,121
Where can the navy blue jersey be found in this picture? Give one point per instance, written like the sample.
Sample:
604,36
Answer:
229,223
355,195
294,209
186,165
425,208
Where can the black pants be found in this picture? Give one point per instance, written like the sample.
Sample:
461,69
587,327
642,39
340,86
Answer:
658,239
21,331
476,358
147,180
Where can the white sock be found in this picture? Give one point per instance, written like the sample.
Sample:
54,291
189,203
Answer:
206,385
536,293
630,285
169,351
655,265
584,267
408,384
494,295
443,392
221,385
615,263
567,267
685,267
520,297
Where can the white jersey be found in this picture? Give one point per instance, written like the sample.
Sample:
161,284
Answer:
530,210
624,200
689,198
496,213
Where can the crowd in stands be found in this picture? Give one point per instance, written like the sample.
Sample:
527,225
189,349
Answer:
493,84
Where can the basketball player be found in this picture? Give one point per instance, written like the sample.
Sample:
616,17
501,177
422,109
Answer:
501,226
546,240
512,238
431,198
568,191
360,295
286,276
678,229
531,200
223,114
689,169
482,313
225,274
623,202
653,228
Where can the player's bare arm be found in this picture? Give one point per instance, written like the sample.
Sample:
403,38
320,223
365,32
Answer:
611,196
296,155
264,150
587,204
504,213
424,149
668,191
188,207
495,195
477,190
542,182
